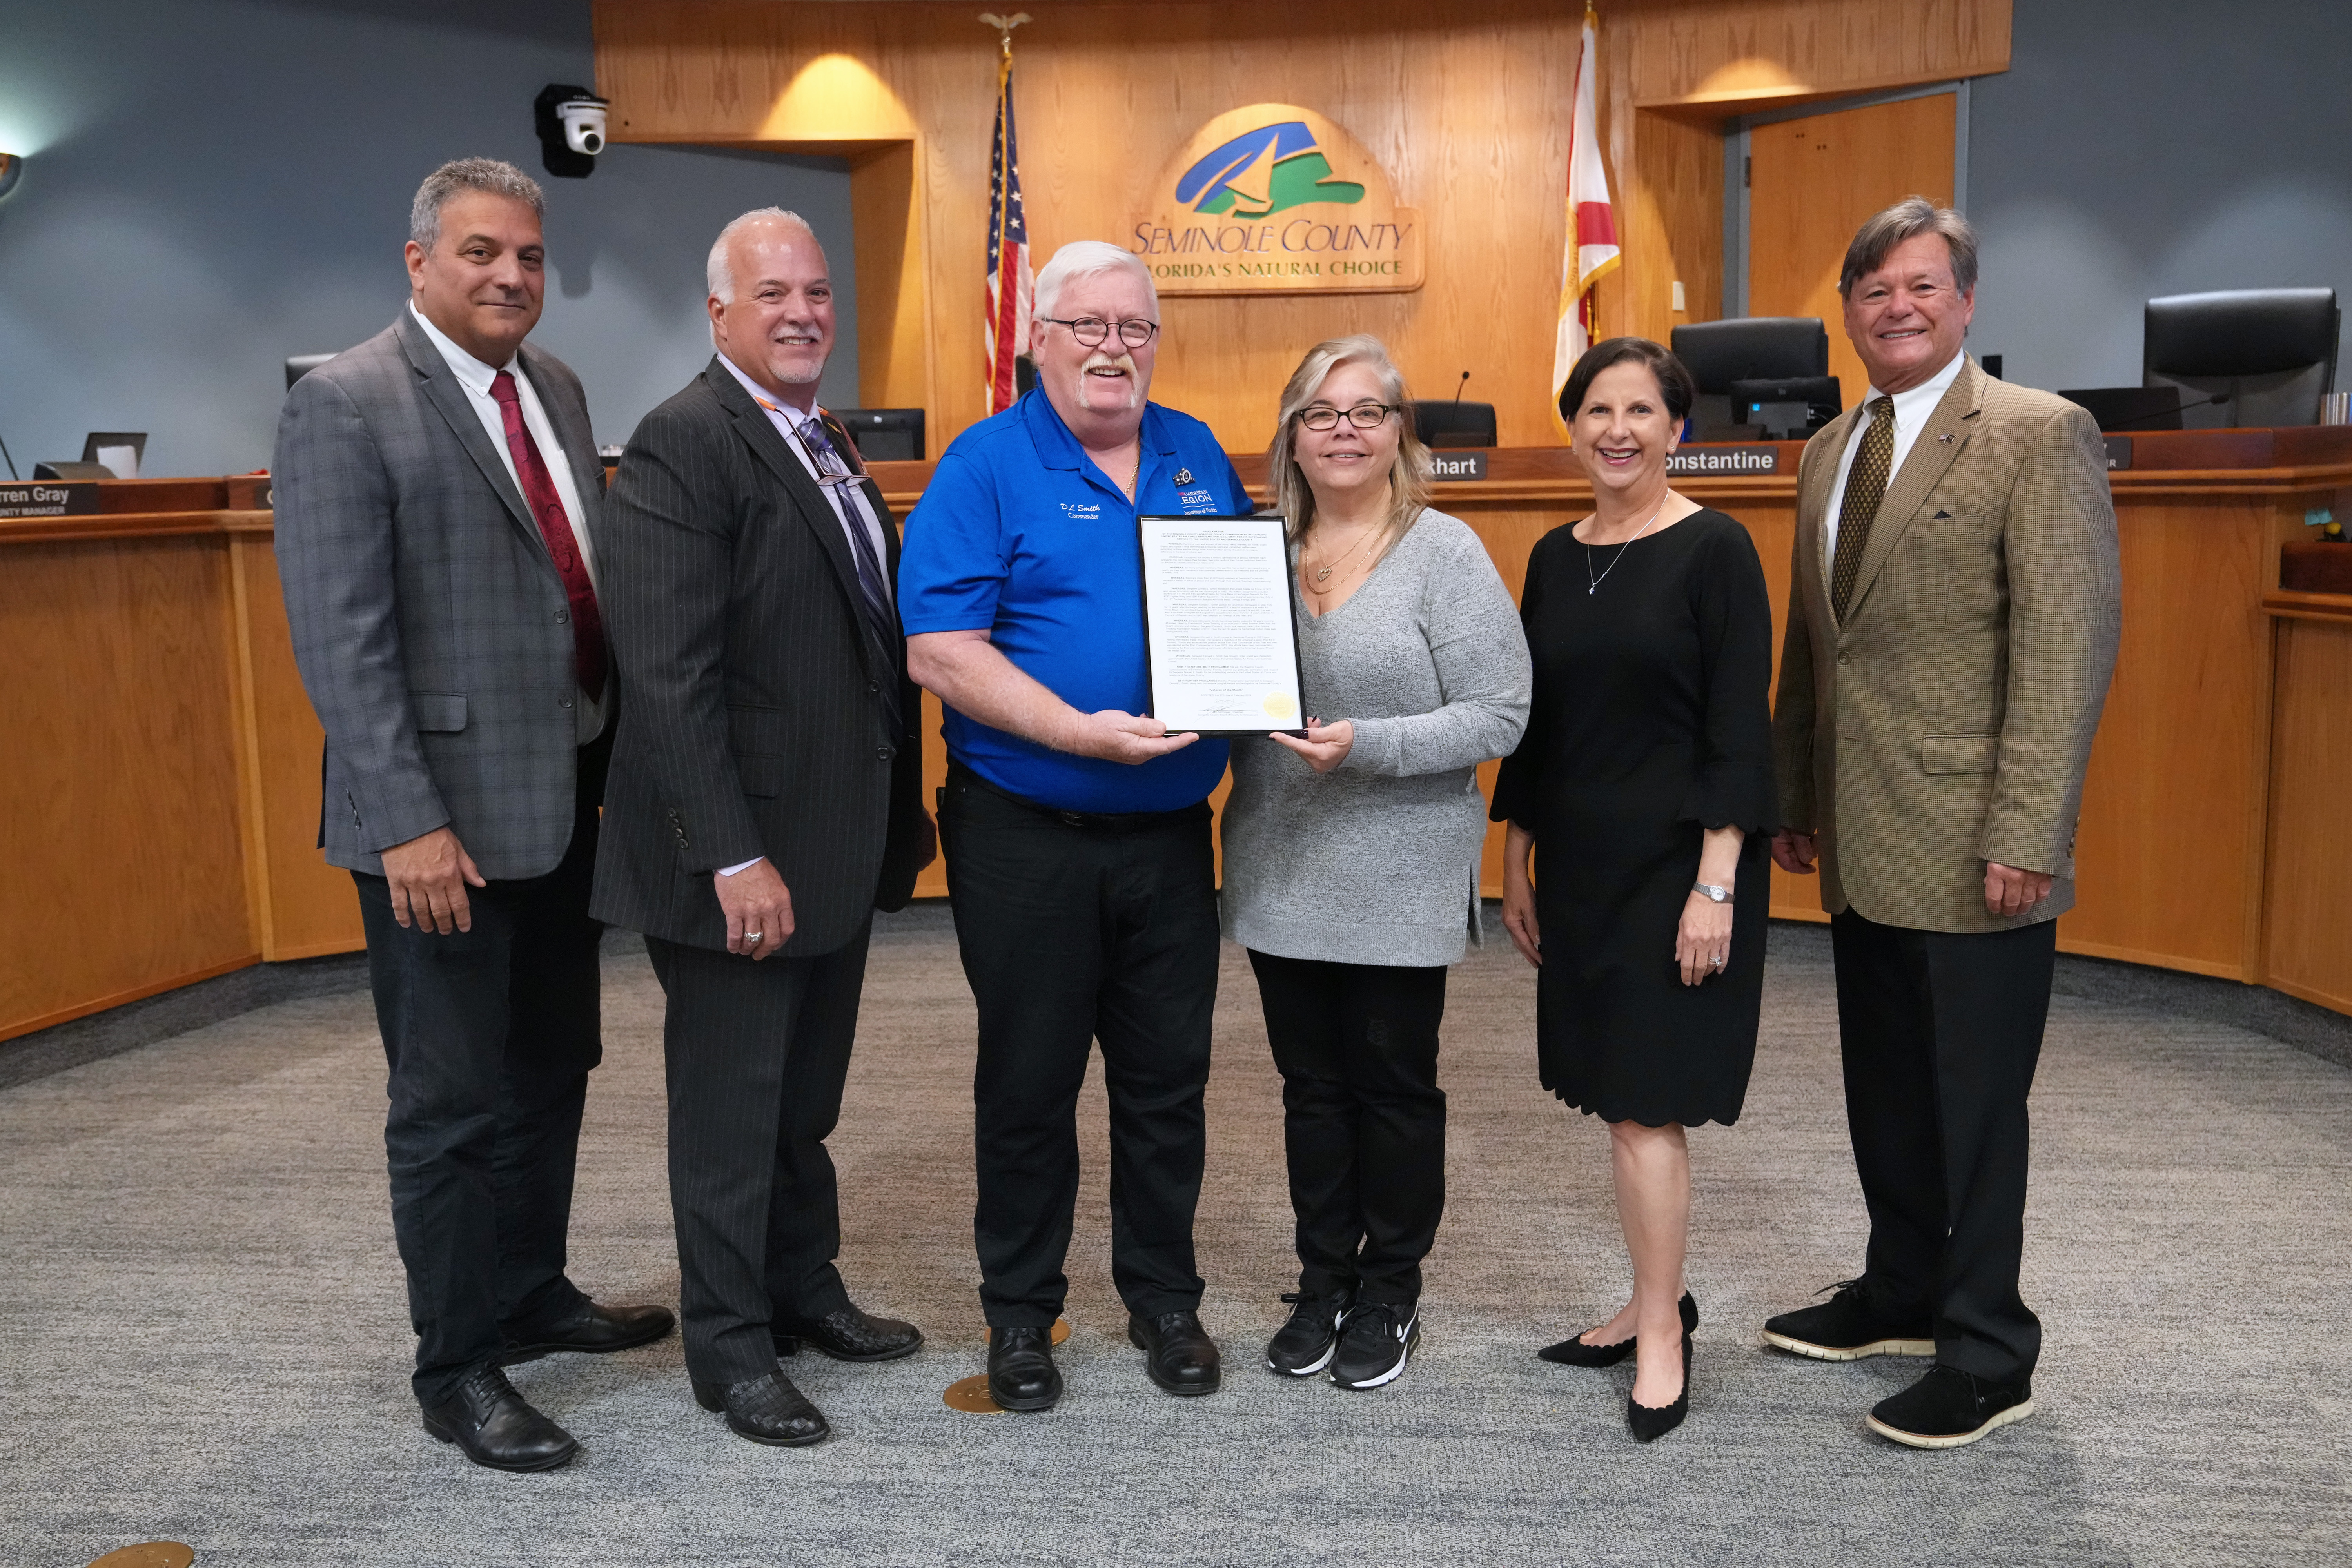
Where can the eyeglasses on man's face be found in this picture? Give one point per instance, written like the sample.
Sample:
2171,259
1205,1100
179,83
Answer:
1091,330
1363,415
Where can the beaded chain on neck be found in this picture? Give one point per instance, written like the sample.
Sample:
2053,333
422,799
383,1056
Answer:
1596,581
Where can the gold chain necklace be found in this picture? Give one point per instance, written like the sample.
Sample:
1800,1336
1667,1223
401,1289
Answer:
1323,573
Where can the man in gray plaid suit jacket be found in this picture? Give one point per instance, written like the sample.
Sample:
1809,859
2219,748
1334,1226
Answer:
438,492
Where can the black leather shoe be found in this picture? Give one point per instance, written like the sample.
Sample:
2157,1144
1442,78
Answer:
1848,1327
847,1334
766,1409
1578,1352
592,1329
1648,1423
497,1427
1177,1351
1949,1409
1021,1371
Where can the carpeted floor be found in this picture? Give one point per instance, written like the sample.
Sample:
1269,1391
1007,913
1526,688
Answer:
203,1335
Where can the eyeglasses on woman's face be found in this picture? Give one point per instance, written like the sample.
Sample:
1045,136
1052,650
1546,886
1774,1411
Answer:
1092,330
1363,415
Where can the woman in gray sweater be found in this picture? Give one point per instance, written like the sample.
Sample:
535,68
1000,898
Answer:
1351,857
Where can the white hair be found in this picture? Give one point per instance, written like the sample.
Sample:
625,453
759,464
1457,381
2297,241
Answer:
716,275
1083,258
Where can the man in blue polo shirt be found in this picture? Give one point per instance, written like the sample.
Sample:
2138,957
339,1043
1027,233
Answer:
1076,828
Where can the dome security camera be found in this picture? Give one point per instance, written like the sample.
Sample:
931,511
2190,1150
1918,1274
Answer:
570,121
583,124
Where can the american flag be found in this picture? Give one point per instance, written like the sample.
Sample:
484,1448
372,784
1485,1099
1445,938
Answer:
1010,282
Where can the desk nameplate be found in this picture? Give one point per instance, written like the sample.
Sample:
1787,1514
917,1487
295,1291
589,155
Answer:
49,498
1723,462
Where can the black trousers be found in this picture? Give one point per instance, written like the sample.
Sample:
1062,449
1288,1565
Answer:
1940,1033
757,1054
1363,1122
1075,930
489,1035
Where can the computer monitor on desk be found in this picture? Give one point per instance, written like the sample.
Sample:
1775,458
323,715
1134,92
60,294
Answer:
2244,358
1783,350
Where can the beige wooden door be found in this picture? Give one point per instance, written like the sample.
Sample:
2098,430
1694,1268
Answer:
1812,183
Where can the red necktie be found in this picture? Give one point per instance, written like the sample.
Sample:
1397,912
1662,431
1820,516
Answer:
588,655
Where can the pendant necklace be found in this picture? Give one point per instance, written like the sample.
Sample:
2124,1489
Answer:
1323,573
1596,581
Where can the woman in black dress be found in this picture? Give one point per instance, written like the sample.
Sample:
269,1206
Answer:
1642,791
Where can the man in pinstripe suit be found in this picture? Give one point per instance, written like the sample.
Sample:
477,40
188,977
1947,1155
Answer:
437,497
765,799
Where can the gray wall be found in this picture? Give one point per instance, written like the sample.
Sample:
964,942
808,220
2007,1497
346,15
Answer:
2137,148
214,184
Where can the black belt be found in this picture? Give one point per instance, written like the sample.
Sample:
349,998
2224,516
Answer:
1110,822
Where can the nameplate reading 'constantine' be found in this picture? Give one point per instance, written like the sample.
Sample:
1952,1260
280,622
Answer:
49,498
1275,199
1723,462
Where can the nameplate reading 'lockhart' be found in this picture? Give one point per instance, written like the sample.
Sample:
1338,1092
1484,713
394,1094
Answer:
1723,462
1457,465
1275,199
49,498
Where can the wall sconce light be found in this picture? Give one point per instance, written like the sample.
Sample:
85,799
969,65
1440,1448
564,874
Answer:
12,169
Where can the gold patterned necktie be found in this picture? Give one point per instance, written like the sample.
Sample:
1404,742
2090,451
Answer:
1866,487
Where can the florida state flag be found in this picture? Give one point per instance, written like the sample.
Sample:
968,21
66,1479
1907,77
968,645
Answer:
1591,222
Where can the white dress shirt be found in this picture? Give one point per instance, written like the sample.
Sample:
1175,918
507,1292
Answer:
1911,411
476,378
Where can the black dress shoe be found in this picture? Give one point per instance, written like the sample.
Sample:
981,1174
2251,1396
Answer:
497,1426
1177,1351
1648,1423
593,1328
847,1334
766,1409
1576,1352
1949,1409
1021,1371
1849,1326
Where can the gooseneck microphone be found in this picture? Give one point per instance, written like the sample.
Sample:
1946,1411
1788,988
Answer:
1460,385
2172,412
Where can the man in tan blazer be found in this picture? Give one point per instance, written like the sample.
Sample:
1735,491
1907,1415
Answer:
1953,614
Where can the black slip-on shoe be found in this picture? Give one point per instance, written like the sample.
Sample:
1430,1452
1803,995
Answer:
592,1329
1948,1408
1648,1423
1021,1371
847,1334
766,1409
497,1427
1376,1341
1178,1352
1578,1352
1848,1327
1302,1346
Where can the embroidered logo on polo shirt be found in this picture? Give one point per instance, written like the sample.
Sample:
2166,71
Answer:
1197,501
1089,510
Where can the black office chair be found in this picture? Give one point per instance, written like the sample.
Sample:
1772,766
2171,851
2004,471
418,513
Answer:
1451,423
884,434
1793,352
2243,357
299,365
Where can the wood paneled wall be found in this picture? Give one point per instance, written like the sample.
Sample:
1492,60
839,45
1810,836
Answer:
1466,107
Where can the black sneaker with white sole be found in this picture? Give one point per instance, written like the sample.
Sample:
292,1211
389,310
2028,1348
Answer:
1375,1341
1302,1346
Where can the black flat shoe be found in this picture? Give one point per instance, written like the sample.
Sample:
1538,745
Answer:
1177,1351
766,1409
1021,1371
497,1427
847,1334
1648,1423
1576,1353
591,1329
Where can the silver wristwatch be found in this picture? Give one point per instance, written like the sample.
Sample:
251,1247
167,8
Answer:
1713,894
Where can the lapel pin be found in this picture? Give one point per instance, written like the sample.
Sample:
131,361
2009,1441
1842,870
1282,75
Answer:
1945,438
1184,476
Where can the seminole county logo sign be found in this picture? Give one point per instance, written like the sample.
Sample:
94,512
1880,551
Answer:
1275,199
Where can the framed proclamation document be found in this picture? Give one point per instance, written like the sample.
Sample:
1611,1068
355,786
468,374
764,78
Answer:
1218,632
